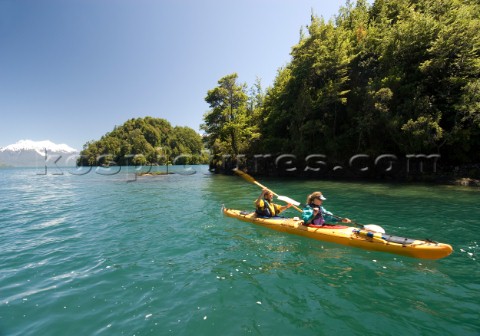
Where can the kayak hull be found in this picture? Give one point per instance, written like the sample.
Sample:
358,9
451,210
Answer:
349,236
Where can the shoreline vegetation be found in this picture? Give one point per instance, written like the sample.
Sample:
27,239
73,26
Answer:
441,178
399,77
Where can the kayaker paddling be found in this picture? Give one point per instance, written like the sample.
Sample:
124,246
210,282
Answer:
265,207
370,236
315,214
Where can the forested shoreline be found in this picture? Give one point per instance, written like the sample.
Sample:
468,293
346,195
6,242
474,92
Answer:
395,80
389,90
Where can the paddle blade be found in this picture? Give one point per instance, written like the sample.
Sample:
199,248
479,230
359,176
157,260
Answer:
374,228
288,200
244,175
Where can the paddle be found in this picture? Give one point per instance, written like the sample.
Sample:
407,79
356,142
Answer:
288,200
248,178
370,227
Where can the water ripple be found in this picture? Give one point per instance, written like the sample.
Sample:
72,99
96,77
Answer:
94,255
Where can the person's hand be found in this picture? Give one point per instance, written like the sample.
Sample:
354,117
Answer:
346,220
315,211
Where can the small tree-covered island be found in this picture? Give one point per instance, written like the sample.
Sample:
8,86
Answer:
145,141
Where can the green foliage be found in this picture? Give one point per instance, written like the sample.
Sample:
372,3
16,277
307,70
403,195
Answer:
230,124
144,141
306,105
397,77
394,77
423,133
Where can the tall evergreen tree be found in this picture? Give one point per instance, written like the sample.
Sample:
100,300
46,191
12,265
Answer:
226,122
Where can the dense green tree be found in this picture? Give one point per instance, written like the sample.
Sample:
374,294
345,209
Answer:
394,77
397,76
226,122
305,108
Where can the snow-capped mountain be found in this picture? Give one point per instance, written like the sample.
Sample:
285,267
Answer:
28,153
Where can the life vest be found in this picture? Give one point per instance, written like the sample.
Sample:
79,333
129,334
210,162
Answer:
268,210
318,219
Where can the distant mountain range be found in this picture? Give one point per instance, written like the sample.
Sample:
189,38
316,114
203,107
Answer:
28,153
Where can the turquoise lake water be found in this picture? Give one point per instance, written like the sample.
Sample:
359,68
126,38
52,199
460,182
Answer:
100,254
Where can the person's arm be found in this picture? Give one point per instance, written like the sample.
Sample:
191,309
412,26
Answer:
259,201
330,217
307,215
281,209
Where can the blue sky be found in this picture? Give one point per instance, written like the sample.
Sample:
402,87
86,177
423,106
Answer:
70,70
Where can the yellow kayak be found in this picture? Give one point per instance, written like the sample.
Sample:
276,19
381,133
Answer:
350,236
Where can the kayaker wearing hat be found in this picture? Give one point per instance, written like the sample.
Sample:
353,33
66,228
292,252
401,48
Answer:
315,214
265,206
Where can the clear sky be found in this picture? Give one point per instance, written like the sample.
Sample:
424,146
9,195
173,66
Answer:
70,70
